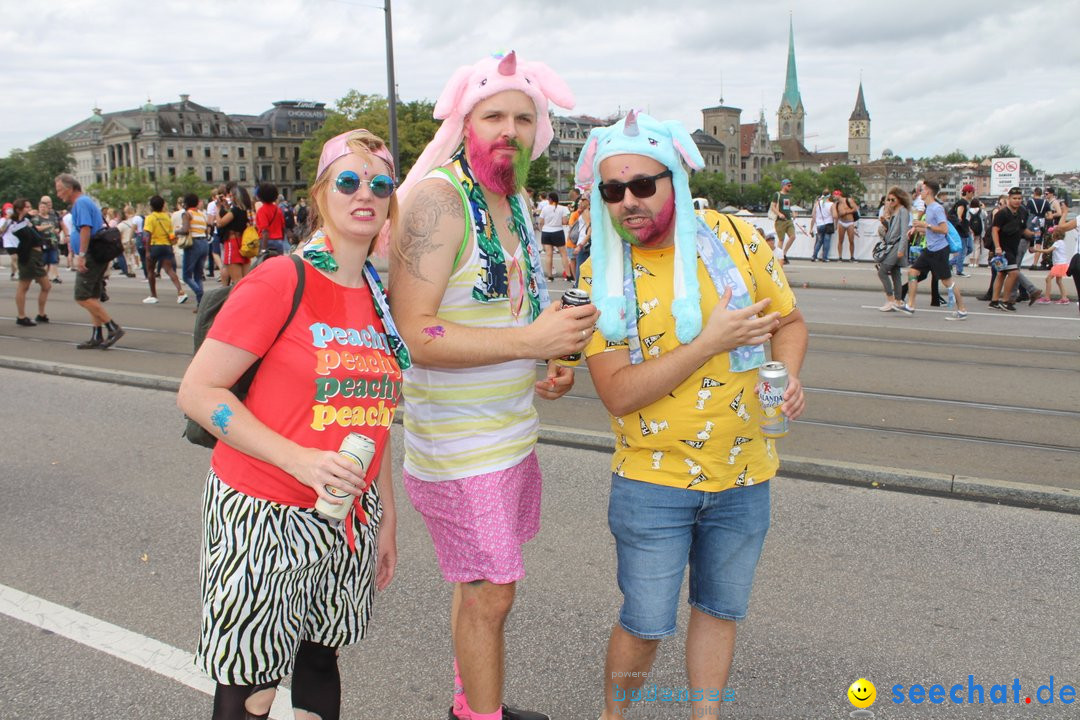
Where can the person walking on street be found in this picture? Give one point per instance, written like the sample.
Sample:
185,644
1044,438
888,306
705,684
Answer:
469,294
86,220
846,208
960,216
784,224
193,225
234,211
553,222
935,258
159,251
895,242
47,223
31,258
824,226
1010,229
688,477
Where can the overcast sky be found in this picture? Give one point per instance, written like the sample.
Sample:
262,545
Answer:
937,75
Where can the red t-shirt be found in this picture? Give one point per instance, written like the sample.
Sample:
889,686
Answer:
272,220
330,373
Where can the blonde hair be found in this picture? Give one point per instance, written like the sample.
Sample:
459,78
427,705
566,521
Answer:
365,143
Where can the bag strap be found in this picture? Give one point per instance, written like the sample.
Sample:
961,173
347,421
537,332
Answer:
298,295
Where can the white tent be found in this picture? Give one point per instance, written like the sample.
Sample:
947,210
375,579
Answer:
744,212
729,209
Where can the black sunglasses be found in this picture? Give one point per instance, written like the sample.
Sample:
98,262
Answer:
613,192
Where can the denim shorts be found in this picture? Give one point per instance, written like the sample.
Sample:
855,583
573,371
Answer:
160,253
658,529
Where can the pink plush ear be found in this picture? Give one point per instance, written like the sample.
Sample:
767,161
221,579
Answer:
583,173
551,85
685,145
450,99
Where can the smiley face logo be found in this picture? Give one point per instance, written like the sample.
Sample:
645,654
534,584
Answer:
862,693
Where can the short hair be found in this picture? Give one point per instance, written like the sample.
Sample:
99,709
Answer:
267,192
1037,191
553,196
44,198
934,186
1015,191
69,181
191,200
157,203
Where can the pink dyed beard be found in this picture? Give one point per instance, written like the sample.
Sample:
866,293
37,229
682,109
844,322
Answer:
654,231
493,173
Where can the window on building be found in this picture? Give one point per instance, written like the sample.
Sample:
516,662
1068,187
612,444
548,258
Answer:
240,152
225,173
209,174
264,173
296,153
172,173
261,152
243,173
744,177
281,153
187,128
189,153
170,152
224,151
206,151
153,176
142,153
283,173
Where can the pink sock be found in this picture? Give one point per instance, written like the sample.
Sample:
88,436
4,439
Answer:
497,715
461,704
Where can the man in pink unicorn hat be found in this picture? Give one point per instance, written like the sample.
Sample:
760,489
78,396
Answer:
468,293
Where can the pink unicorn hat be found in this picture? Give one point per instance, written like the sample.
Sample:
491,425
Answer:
472,83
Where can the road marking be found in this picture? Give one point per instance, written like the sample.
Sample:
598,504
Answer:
139,650
996,313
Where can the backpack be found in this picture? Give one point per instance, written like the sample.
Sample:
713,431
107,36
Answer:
105,245
955,243
975,223
211,304
250,242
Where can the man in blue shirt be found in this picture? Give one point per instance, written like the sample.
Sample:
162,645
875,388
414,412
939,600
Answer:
86,220
934,259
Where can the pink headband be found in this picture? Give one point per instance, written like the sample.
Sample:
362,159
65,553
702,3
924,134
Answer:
472,83
338,147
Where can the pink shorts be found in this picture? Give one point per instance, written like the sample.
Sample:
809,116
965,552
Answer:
1060,270
478,524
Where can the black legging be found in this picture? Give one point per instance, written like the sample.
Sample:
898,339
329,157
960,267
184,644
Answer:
1074,272
316,687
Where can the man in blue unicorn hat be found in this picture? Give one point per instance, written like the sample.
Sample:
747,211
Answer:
681,334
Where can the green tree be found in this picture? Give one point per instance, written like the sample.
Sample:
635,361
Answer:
30,173
187,183
416,127
125,186
1004,150
539,177
844,178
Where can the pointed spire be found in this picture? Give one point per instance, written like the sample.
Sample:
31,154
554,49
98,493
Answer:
791,83
860,113
630,127
508,65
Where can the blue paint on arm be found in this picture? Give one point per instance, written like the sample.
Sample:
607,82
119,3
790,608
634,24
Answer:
221,417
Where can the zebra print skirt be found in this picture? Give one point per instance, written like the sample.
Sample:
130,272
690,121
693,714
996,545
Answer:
273,575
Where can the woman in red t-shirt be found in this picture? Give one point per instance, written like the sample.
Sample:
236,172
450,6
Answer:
232,223
284,587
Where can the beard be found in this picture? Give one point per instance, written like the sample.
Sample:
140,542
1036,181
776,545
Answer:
497,173
650,233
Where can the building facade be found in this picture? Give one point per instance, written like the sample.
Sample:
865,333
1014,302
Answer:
565,148
170,140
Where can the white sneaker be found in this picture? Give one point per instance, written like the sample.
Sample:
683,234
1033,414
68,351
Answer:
150,300
181,299
956,316
888,307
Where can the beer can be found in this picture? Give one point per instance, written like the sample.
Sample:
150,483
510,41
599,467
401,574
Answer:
772,382
573,297
361,450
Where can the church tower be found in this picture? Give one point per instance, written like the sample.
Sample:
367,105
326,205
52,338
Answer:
790,116
859,132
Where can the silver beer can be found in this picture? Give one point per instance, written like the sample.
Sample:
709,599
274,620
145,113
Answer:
361,450
772,382
574,297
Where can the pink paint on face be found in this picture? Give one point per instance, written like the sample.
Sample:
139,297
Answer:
493,169
647,231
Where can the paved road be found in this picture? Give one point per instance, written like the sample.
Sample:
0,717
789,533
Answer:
997,397
102,499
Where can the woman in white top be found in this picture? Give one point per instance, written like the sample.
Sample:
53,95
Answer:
825,226
553,217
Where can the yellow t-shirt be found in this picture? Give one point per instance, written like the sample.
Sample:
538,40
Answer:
159,225
704,435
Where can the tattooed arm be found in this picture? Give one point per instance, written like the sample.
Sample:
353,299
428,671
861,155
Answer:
206,398
427,241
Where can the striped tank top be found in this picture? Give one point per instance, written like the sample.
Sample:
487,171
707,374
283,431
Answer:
470,421
198,223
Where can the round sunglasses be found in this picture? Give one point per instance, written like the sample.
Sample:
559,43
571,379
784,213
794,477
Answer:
348,182
614,191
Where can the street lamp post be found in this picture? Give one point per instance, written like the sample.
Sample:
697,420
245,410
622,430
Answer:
391,90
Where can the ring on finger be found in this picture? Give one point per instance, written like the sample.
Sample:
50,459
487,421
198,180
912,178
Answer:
584,333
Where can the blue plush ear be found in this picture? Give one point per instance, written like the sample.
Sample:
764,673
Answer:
583,171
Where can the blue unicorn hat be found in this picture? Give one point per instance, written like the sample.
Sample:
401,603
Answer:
671,145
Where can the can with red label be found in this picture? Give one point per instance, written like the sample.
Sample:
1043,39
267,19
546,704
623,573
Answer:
772,382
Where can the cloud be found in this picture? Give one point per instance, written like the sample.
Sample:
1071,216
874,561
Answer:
937,76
